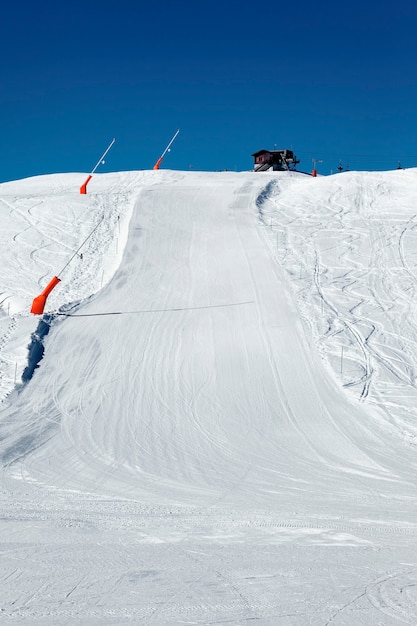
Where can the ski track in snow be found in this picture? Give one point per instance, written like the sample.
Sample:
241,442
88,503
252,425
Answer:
222,429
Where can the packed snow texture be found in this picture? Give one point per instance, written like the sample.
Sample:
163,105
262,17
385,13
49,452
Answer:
222,426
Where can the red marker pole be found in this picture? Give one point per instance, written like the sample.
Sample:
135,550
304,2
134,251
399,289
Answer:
83,188
314,171
159,161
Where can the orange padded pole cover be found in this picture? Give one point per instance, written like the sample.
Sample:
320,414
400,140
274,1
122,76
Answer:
83,188
39,302
157,164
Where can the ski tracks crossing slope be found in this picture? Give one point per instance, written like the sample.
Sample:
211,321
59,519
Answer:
184,443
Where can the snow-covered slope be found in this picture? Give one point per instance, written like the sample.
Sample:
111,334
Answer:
222,427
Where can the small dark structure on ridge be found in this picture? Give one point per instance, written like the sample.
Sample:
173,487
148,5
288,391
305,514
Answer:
276,160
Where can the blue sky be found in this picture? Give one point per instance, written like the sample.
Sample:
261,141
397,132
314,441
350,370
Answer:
333,81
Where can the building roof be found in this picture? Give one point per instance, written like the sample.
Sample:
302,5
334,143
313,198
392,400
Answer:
270,152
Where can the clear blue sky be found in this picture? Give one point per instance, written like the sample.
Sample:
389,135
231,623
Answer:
336,81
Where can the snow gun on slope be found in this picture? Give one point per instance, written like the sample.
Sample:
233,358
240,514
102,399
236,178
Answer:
83,188
167,149
39,302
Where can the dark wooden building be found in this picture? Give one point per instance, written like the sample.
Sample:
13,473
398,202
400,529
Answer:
276,160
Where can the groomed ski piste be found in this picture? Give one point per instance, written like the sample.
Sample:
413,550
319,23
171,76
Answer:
222,427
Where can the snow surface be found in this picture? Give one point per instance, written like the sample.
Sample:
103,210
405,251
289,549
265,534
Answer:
222,429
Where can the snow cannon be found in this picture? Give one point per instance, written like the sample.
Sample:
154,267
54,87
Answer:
83,188
39,302
167,149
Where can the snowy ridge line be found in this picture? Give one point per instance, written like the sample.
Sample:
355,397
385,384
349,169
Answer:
191,308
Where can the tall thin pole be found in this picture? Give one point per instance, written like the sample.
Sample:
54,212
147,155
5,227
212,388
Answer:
78,249
158,163
102,157
170,144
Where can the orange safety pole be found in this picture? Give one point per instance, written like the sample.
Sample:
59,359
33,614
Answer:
83,188
39,302
167,149
315,161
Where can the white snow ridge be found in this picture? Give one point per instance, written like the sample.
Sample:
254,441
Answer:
222,427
